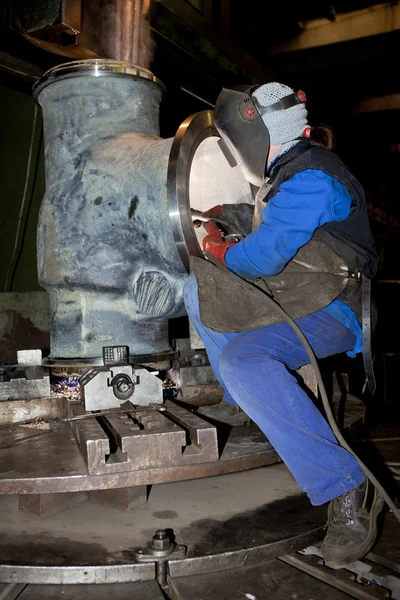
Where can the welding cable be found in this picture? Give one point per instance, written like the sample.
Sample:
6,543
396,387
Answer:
324,396
327,407
25,206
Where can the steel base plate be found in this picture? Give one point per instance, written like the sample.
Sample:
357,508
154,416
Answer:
36,460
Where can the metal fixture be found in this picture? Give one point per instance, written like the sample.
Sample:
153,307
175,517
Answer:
159,550
103,388
26,380
362,586
107,413
144,440
61,467
117,381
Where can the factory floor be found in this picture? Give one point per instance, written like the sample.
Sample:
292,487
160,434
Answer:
193,509
243,510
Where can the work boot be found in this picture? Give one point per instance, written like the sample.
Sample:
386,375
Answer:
352,527
230,414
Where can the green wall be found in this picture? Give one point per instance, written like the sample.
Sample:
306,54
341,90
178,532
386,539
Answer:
21,189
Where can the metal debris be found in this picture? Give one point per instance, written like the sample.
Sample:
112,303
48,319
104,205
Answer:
68,388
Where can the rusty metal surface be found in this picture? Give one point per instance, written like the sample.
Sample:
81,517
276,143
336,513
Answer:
44,461
47,504
121,498
144,440
13,411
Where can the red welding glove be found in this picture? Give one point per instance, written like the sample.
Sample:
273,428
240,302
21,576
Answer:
213,243
214,212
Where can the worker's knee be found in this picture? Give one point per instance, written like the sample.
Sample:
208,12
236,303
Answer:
232,361
245,355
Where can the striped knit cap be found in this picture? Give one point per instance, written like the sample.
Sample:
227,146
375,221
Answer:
283,125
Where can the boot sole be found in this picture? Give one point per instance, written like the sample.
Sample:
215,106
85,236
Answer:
336,557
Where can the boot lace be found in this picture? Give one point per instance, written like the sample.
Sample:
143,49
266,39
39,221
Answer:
343,511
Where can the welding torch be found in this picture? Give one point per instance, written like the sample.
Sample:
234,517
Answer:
229,235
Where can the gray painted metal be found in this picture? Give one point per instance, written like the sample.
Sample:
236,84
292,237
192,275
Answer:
144,440
106,251
27,380
115,229
98,391
25,388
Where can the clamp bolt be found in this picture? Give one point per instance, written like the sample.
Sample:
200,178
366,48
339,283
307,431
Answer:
161,541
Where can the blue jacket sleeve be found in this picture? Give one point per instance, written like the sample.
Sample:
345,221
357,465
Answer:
304,202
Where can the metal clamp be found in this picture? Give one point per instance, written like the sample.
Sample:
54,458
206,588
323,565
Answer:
159,550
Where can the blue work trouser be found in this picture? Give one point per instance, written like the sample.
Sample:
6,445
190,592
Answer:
256,368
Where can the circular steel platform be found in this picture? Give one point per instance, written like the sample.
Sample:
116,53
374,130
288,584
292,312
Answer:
36,461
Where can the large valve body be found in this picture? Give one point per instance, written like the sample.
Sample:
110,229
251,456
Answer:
114,226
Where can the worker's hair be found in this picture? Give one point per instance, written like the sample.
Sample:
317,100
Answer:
323,136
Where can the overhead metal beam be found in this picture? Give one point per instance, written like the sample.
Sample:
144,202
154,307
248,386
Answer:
375,20
379,103
204,27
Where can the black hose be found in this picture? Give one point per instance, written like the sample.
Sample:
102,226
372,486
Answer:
324,396
331,420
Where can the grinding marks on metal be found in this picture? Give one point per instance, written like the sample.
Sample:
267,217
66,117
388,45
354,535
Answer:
161,557
12,591
144,440
118,573
359,580
238,559
107,413
62,467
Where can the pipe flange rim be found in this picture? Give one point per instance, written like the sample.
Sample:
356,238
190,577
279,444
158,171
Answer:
94,67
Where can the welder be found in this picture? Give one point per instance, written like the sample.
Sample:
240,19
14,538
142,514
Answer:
311,249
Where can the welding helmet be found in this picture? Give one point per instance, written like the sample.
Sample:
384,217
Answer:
244,135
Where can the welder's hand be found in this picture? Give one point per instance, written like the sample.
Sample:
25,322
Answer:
214,244
214,212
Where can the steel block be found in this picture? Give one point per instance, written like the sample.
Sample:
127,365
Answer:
144,440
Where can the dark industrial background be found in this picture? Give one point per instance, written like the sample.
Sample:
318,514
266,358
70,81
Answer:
344,55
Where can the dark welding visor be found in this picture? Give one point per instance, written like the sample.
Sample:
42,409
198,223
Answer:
238,119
